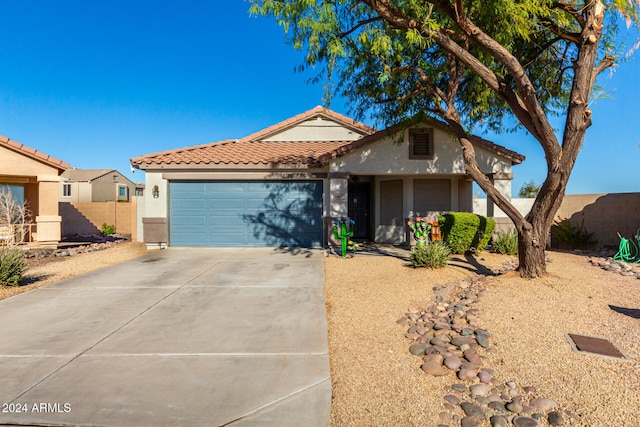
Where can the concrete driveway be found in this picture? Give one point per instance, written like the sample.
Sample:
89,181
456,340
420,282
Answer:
183,336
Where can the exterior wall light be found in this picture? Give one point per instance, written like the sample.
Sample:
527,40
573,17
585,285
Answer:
155,192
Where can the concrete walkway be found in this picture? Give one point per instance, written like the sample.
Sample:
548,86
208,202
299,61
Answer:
183,336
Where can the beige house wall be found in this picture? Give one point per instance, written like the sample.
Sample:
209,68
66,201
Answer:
40,188
88,217
386,157
318,129
13,163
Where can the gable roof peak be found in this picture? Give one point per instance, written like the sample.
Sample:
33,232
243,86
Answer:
318,111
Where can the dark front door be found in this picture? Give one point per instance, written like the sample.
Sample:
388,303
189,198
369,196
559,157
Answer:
359,208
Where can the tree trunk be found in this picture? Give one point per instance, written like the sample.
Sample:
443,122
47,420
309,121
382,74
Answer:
531,254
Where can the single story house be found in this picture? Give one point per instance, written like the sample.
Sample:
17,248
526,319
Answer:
95,185
33,177
286,184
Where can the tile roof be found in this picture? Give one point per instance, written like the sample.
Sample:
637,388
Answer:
252,150
33,153
235,152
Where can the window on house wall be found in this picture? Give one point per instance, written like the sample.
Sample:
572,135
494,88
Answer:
16,191
139,191
66,190
431,195
123,192
391,202
421,144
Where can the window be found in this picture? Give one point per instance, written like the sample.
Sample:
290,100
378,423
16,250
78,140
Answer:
421,144
391,202
123,193
431,195
66,190
139,191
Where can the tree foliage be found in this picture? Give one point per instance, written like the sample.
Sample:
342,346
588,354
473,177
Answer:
529,190
469,65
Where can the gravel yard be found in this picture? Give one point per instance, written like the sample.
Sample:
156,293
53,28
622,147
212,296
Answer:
376,381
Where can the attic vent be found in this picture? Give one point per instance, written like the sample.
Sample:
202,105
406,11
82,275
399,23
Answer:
421,144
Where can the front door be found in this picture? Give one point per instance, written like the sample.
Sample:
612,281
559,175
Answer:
359,208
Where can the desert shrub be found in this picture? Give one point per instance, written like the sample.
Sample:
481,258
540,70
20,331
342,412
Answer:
12,266
107,230
433,255
465,231
571,236
506,242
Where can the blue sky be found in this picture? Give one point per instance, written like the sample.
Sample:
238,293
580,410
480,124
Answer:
97,83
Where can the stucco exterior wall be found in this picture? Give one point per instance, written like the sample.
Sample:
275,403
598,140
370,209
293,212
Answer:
102,189
317,129
386,157
80,192
156,208
12,163
105,189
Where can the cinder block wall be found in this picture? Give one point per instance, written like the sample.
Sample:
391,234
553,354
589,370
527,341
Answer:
605,215
88,217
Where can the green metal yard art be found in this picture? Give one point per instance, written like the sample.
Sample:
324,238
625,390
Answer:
342,232
629,251
420,229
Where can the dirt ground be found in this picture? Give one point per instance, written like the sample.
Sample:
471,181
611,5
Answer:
43,271
376,381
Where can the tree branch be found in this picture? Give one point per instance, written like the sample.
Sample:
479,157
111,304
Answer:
566,35
358,25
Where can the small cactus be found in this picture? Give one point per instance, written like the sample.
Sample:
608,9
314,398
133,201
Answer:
343,232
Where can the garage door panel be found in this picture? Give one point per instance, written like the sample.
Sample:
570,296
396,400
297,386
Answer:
246,213
194,203
227,221
224,203
225,186
188,221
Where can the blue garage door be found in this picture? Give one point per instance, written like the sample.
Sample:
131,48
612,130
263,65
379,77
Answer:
245,213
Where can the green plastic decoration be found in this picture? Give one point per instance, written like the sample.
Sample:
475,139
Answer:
629,251
342,232
420,229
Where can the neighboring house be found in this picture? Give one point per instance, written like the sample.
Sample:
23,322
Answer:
284,185
35,176
95,185
139,190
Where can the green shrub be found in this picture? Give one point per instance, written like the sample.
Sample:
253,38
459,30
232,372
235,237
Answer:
571,236
12,266
506,242
465,231
433,255
107,230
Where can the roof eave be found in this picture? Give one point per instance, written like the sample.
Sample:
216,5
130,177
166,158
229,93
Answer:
34,154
